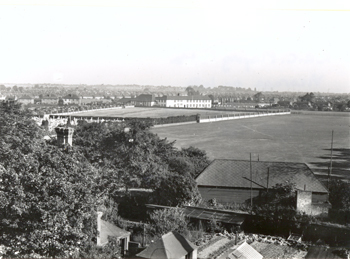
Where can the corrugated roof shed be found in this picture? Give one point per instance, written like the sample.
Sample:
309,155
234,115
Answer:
231,173
208,214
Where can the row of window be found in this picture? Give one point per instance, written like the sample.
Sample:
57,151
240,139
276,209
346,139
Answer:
193,105
192,100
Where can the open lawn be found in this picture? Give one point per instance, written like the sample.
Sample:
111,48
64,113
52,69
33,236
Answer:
294,138
144,112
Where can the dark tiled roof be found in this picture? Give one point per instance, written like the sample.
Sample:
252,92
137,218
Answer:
71,96
170,245
231,173
26,97
145,98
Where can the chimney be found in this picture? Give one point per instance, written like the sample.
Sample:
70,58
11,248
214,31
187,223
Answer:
99,227
64,136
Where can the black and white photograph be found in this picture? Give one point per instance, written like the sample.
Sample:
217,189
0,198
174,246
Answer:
198,129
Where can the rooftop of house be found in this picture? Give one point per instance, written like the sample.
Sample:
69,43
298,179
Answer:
71,96
26,97
236,174
170,245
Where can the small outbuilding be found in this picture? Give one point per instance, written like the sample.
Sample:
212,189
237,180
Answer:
106,229
236,181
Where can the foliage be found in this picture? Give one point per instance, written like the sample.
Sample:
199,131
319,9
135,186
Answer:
275,212
131,156
164,221
339,194
47,194
197,157
278,195
176,189
108,251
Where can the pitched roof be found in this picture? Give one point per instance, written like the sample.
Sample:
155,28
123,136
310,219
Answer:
245,251
71,96
190,97
231,173
109,229
170,245
145,98
26,97
208,214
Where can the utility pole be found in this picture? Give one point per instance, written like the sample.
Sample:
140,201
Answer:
251,184
268,176
330,167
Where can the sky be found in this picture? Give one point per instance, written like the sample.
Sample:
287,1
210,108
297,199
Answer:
267,45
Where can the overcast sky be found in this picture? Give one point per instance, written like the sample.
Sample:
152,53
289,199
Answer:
277,45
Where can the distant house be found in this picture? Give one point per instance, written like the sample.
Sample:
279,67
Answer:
259,97
243,251
308,98
285,103
48,99
274,100
106,229
11,98
126,101
192,101
26,99
71,99
145,100
229,181
170,246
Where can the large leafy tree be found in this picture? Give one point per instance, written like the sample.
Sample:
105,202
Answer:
164,221
48,195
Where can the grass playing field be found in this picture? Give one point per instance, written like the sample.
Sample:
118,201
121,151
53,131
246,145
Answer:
295,138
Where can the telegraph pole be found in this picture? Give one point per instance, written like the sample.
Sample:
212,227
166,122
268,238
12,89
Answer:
251,183
330,167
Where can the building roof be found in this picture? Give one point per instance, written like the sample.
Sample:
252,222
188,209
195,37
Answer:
71,96
109,229
26,97
234,174
244,251
170,245
208,214
145,98
190,97
49,96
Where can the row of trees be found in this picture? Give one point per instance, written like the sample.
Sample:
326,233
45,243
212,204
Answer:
49,195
